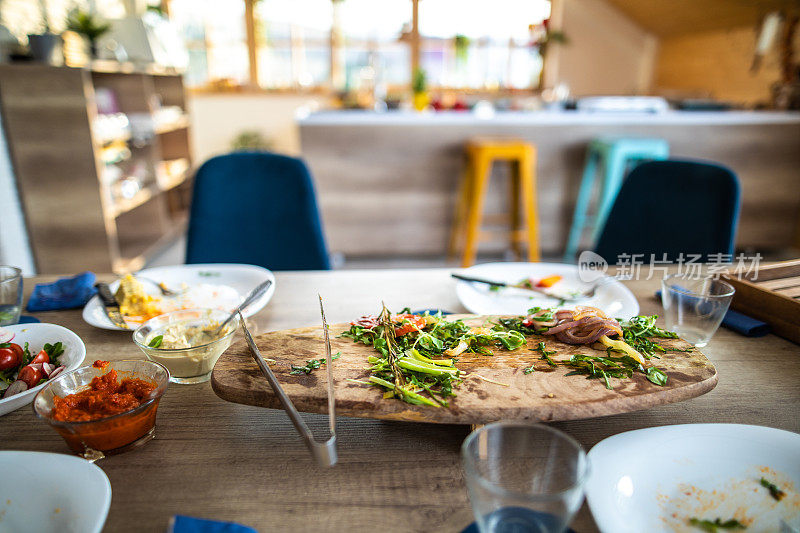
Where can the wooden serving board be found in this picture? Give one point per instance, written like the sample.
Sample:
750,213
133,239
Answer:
539,396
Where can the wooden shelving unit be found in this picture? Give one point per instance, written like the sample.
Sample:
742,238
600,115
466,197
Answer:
83,211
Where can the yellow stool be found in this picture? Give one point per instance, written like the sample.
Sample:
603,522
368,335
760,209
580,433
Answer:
481,153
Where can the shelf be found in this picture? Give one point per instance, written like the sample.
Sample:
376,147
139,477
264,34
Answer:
169,180
123,206
107,66
132,264
98,229
180,124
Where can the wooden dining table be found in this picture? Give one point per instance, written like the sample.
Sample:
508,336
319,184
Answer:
218,460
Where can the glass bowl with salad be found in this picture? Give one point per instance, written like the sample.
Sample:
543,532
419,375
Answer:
187,342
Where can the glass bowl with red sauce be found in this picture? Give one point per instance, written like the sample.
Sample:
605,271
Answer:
106,407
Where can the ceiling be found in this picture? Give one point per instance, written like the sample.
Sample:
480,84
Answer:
667,18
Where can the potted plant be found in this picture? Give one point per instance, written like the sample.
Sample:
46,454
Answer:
542,37
87,24
43,46
419,86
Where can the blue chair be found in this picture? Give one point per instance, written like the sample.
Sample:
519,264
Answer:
258,209
673,207
614,156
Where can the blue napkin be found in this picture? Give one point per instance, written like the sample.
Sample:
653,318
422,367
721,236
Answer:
742,324
188,524
66,293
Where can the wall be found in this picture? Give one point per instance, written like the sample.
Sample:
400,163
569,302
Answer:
218,118
717,64
14,247
607,53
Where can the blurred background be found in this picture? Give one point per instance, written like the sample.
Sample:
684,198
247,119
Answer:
108,108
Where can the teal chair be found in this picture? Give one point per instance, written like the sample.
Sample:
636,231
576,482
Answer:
615,157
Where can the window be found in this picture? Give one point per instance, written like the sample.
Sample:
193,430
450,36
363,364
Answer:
214,32
479,44
358,45
293,42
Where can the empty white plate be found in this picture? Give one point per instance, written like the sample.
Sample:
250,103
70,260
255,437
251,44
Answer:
52,492
243,278
612,297
37,335
657,479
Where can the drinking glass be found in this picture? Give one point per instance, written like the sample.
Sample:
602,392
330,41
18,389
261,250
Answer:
695,307
523,477
10,294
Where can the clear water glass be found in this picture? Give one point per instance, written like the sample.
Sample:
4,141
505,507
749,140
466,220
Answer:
694,307
523,477
10,294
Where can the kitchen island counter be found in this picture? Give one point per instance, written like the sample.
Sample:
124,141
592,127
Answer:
388,182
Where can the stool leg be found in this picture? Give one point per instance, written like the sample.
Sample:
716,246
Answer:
459,221
481,170
581,208
612,181
514,223
527,171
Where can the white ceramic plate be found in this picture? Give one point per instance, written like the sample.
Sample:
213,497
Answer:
243,278
612,297
656,479
52,492
37,335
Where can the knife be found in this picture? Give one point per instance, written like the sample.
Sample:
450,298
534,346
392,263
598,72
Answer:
513,286
110,305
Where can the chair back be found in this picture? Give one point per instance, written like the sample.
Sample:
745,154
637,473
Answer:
256,208
673,207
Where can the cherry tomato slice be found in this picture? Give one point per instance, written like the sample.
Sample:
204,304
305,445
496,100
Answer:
41,357
9,359
409,323
30,376
18,349
549,281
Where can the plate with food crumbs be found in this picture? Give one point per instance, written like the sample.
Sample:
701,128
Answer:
696,477
539,285
201,286
52,492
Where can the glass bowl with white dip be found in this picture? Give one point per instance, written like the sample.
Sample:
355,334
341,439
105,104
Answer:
186,343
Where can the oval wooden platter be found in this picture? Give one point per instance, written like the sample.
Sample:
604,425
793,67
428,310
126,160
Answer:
542,395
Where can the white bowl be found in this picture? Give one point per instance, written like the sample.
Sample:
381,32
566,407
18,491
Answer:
52,492
37,335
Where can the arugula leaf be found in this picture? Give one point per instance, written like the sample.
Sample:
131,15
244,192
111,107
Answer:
27,356
54,351
312,364
529,370
717,524
657,376
774,491
546,354
156,341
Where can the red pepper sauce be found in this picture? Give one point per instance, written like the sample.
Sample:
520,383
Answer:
105,397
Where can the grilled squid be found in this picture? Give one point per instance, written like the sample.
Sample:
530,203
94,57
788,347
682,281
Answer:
584,325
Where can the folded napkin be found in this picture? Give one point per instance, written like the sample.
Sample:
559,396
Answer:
187,524
66,293
742,324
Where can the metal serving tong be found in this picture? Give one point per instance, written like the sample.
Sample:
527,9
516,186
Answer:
324,452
